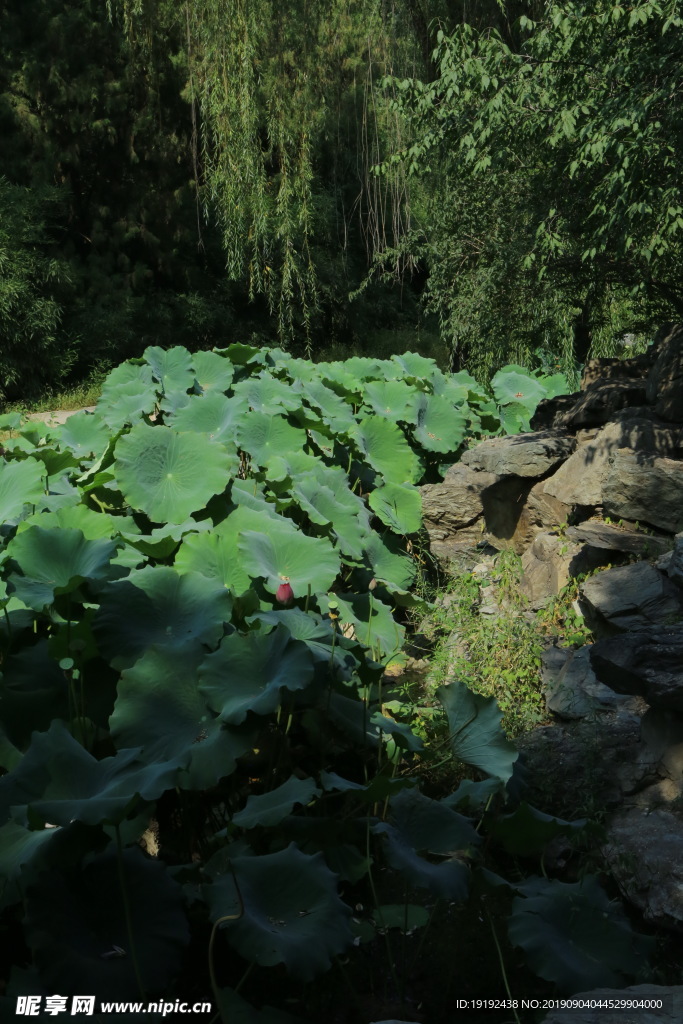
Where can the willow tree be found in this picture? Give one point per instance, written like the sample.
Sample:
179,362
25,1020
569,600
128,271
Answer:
283,98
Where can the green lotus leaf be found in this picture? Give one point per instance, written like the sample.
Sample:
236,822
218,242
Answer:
439,427
399,506
163,540
290,911
157,606
33,692
126,403
476,737
401,734
267,394
372,621
215,556
575,936
10,421
553,385
21,484
448,879
269,809
248,673
75,921
429,825
84,434
334,410
262,436
318,634
212,372
159,707
515,418
240,354
58,781
392,400
284,554
296,464
169,475
18,847
55,562
93,525
132,371
453,388
416,366
172,367
212,414
386,450
390,564
364,368
509,385
251,495
527,831
335,506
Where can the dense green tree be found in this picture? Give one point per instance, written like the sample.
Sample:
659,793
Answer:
554,152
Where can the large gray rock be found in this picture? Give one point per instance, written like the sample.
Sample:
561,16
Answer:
575,768
672,562
550,562
665,380
640,487
648,663
572,690
631,597
605,369
525,455
453,508
670,1013
644,852
580,480
615,538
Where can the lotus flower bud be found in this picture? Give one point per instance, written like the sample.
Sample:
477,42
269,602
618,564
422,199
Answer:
285,594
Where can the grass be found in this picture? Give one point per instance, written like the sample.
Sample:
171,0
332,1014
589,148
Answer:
76,397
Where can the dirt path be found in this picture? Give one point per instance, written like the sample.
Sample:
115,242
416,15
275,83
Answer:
57,416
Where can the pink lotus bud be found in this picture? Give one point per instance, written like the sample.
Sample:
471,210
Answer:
285,594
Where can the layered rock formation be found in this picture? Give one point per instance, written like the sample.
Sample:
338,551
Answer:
597,488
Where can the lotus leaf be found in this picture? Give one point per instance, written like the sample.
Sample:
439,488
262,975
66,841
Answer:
248,673
475,734
169,475
270,808
290,911
55,562
575,936
157,606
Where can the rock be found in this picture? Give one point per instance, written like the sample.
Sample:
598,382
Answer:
596,405
616,369
615,538
524,455
648,663
453,508
550,562
662,733
631,597
572,690
665,380
670,1013
542,510
574,768
672,562
644,851
639,487
580,480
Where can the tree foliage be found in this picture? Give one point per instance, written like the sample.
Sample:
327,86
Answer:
558,148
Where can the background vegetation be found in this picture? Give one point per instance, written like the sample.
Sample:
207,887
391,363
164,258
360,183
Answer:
490,182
